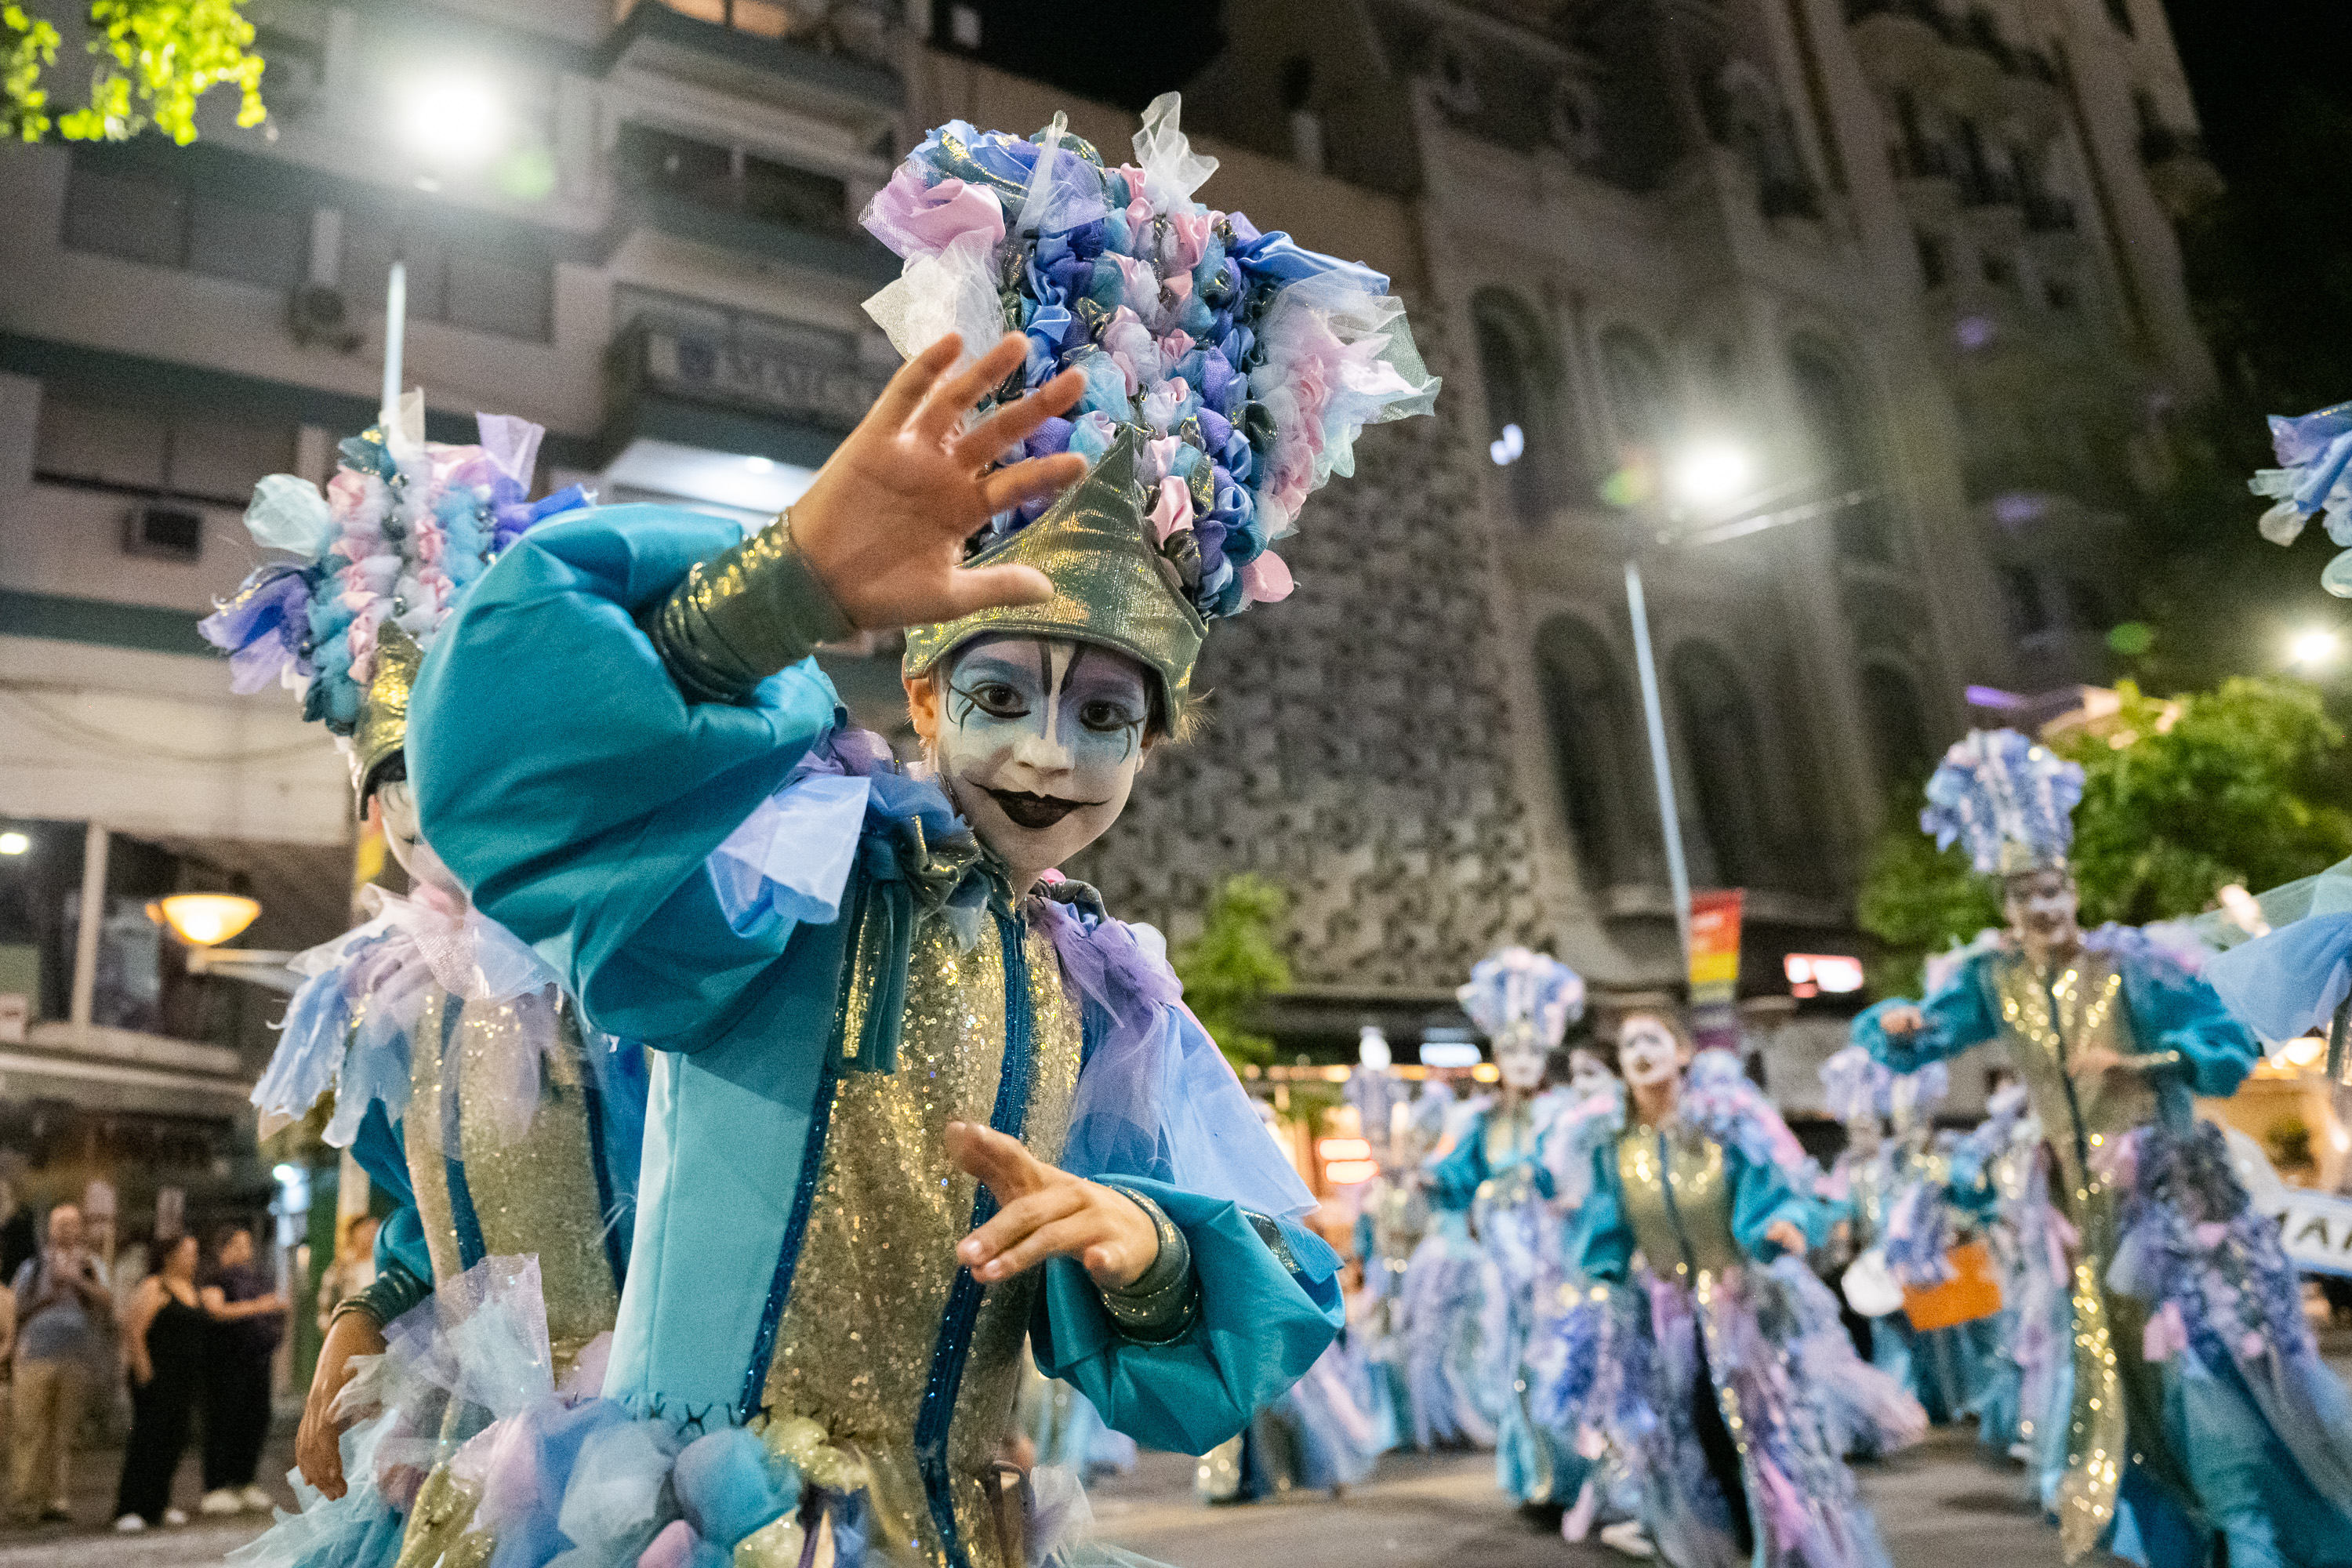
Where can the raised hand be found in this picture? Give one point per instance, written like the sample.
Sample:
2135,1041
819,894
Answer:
1902,1021
1046,1212
884,523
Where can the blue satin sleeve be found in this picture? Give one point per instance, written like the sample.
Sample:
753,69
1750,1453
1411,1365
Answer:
1454,1181
401,1239
1761,1195
1957,1016
2173,1010
1261,1324
570,785
1603,1243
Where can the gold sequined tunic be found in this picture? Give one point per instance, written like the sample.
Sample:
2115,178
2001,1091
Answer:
504,1192
2049,1020
876,1297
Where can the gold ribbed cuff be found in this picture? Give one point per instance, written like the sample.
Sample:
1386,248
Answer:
1162,1303
743,616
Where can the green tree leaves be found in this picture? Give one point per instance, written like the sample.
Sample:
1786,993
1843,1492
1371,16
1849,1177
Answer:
151,61
2179,800
1234,962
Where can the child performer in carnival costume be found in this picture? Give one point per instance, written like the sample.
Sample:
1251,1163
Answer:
464,1082
1693,1359
2195,1406
914,1097
1437,1313
1524,1003
1897,1199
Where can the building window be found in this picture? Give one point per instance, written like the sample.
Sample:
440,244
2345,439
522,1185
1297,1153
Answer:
1935,263
101,444
1520,376
1639,399
452,277
1720,736
2119,13
1898,726
761,18
728,179
2028,616
1590,715
1999,270
163,222
1845,451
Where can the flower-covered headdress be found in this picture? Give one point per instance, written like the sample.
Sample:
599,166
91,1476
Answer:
2316,452
1228,372
2010,800
1856,1088
1513,990
374,567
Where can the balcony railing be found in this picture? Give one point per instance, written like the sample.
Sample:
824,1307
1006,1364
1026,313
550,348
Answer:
765,374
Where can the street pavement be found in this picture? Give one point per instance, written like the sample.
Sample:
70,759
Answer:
1940,1506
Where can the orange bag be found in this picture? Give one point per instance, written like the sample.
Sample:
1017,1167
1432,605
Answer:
1973,1292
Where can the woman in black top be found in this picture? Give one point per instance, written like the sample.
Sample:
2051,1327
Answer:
165,1338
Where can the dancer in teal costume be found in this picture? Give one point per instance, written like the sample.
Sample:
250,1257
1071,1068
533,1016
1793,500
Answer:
864,989
2193,1364
1524,1002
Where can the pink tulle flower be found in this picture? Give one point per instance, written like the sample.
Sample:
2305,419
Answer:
1266,580
2210,1233
1175,345
916,221
2166,1335
1173,512
1189,234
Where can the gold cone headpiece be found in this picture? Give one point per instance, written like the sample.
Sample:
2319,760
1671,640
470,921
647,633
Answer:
1110,586
382,727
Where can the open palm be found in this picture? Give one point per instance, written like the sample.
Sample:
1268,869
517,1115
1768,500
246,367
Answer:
884,523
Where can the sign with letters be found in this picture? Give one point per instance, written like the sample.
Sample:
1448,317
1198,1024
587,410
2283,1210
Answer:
2315,1230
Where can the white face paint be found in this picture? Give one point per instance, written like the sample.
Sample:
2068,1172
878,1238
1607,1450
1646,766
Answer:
1648,1052
1520,1057
2042,909
405,838
1039,743
1587,1074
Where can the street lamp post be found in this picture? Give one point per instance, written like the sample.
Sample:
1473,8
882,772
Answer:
1662,767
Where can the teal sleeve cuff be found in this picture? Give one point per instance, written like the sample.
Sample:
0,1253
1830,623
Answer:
394,1292
1162,1303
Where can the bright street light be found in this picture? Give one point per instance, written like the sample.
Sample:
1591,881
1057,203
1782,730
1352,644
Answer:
759,465
206,920
2315,648
15,843
1712,475
453,121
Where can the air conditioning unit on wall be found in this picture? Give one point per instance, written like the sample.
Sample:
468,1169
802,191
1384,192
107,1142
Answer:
167,530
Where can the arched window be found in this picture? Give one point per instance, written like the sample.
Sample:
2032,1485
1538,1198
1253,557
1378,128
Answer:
1844,449
1898,726
1589,714
1721,739
1639,399
1522,378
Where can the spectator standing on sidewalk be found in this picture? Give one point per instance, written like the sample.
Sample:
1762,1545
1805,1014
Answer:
248,1319
164,1341
64,1316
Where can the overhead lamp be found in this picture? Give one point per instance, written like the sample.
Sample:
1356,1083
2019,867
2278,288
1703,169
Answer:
15,843
2315,648
205,920
453,120
1712,474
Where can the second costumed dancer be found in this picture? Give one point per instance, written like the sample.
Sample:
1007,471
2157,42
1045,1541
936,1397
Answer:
915,1099
1703,1361
2197,1411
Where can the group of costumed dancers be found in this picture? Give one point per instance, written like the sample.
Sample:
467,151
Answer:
790,1166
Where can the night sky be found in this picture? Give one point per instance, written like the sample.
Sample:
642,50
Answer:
2247,59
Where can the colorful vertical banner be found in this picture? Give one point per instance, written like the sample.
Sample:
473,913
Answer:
1714,969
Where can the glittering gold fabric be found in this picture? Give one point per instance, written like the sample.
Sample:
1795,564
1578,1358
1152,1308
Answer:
1677,1201
537,1192
533,1192
382,727
2049,1020
1109,586
853,1347
743,616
